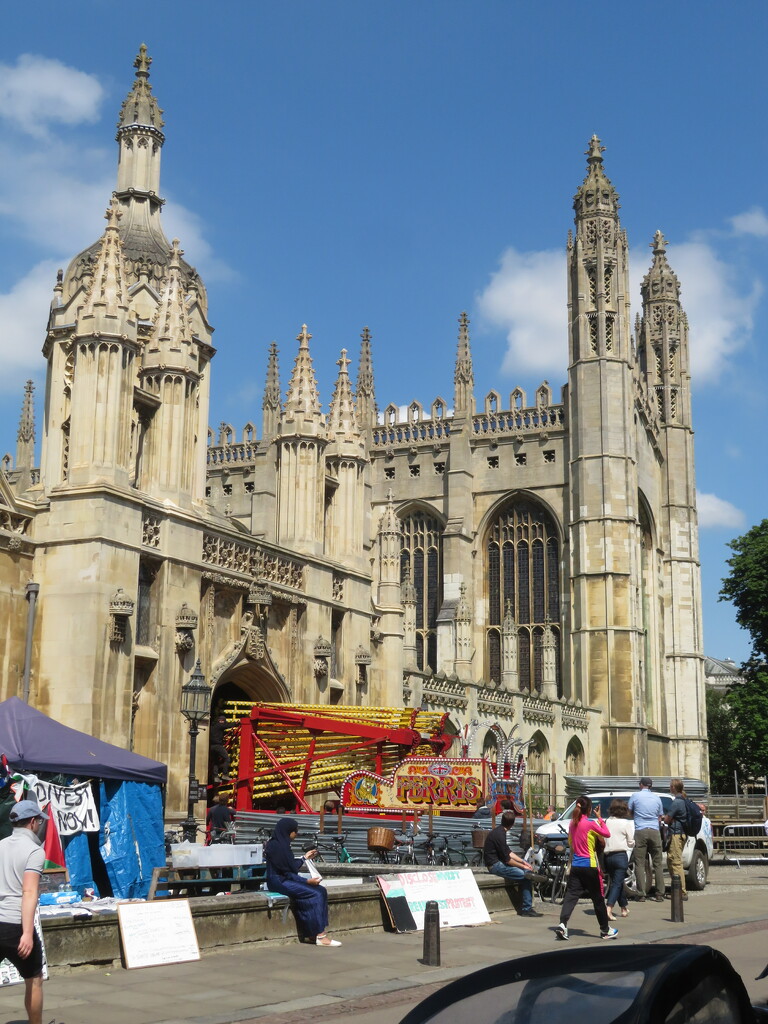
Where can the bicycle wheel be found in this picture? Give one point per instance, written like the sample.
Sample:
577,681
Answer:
559,885
457,859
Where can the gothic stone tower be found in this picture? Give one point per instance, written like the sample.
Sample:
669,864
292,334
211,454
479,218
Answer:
123,463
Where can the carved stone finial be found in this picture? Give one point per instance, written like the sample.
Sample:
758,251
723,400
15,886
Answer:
113,215
595,152
304,337
659,244
142,62
176,254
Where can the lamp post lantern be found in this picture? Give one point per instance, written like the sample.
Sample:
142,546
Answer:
195,706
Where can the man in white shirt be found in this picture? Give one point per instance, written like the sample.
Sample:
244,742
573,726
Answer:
22,859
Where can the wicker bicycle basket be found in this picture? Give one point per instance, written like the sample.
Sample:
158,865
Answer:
479,835
381,839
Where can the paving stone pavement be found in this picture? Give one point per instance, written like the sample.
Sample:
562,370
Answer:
377,977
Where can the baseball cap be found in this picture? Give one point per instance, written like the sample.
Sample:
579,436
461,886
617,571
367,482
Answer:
26,809
645,781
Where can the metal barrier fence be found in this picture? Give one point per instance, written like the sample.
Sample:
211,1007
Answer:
743,844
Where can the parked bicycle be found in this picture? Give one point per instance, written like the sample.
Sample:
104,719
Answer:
550,860
331,848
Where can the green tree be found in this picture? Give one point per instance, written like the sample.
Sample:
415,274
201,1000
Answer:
723,746
746,585
744,708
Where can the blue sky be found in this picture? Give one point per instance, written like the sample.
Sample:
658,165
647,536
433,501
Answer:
348,164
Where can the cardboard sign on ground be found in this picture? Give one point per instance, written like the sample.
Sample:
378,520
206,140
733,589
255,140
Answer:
455,892
161,932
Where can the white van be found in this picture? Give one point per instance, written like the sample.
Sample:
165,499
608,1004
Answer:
697,851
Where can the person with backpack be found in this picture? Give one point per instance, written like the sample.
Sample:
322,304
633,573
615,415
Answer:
677,821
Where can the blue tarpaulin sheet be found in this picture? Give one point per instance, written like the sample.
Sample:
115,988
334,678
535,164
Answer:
131,836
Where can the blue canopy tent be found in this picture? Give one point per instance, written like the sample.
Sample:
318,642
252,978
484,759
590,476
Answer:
128,794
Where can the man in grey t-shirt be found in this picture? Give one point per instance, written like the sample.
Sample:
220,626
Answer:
646,809
21,862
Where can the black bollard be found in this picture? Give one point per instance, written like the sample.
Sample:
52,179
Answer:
677,899
431,956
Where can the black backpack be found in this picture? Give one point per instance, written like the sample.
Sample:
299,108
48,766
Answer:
693,818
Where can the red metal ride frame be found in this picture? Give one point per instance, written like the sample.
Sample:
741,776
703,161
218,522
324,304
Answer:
359,737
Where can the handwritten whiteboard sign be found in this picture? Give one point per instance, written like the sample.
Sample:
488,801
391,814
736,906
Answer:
455,891
157,933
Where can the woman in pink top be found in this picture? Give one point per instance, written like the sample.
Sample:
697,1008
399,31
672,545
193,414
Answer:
585,878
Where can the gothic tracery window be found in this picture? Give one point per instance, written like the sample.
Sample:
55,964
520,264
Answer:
523,576
421,556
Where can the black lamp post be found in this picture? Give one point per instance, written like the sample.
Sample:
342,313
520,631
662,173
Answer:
195,705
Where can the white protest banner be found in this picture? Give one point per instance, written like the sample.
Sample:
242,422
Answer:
455,892
72,807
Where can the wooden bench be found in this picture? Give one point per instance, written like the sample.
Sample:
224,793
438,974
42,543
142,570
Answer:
183,882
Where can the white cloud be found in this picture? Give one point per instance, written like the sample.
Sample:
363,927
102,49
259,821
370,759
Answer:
716,512
720,312
38,91
184,224
526,297
54,194
751,222
24,317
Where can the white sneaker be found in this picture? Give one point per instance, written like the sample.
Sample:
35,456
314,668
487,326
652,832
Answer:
612,933
561,932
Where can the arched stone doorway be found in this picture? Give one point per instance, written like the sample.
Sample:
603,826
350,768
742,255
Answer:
250,681
246,679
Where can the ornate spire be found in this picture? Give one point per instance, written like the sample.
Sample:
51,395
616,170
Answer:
367,412
463,378
596,195
171,325
663,335
390,532
25,437
108,291
342,420
389,524
302,398
140,107
271,406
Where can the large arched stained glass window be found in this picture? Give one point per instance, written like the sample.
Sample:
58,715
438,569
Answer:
421,556
523,573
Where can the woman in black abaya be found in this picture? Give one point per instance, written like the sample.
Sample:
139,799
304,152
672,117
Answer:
310,900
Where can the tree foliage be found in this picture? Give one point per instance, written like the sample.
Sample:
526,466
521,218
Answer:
737,721
723,746
737,725
747,585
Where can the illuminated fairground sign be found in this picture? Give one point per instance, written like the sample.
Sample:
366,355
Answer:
454,784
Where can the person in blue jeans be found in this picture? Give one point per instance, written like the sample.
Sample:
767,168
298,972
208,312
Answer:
616,853
500,861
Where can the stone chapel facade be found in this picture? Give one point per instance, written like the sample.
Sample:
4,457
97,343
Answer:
530,566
